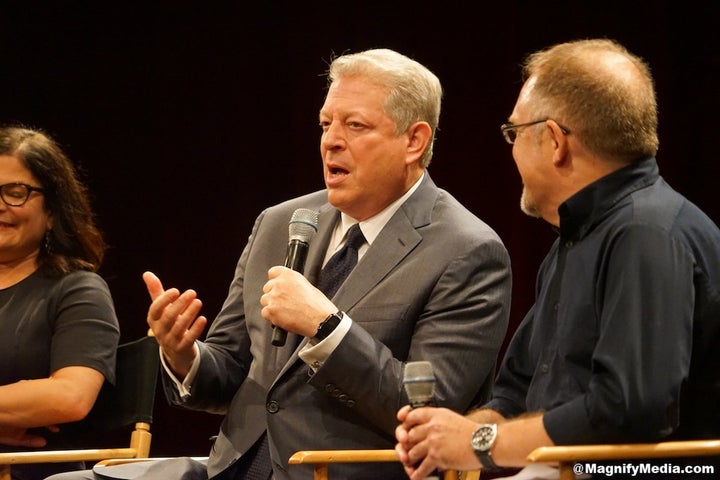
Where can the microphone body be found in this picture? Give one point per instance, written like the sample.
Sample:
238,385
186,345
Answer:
302,228
296,255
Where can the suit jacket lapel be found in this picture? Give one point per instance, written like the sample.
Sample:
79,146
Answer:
396,240
327,217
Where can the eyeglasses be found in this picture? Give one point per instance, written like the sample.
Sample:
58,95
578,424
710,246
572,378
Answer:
509,130
16,194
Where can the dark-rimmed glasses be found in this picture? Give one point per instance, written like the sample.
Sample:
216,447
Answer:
509,130
16,194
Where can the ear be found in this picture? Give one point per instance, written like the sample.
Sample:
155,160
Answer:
559,143
419,135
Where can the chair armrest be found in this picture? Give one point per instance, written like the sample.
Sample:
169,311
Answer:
55,456
343,456
109,462
321,458
570,453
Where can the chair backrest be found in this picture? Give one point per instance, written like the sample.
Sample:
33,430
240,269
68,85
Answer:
132,398
129,402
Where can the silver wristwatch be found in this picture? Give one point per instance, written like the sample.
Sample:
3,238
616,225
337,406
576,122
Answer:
482,441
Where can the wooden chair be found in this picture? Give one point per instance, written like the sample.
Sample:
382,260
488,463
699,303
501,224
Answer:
567,456
320,459
129,403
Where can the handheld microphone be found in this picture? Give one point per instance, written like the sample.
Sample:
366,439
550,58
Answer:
419,383
302,227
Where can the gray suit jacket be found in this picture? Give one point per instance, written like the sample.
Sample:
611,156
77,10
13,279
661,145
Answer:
435,285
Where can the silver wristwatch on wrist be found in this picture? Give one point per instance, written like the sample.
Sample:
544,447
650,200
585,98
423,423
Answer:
482,441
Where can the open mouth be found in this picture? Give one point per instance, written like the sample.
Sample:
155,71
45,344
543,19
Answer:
337,171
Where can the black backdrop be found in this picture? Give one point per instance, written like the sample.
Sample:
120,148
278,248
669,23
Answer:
188,118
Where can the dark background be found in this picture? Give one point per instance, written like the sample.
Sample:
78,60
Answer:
188,118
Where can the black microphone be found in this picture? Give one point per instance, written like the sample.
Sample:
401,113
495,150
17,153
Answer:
419,383
302,227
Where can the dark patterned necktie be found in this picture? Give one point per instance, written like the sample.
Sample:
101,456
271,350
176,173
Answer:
339,266
256,463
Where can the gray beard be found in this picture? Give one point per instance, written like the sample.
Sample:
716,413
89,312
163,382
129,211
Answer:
527,206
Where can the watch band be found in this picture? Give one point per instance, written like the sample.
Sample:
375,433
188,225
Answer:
328,326
488,464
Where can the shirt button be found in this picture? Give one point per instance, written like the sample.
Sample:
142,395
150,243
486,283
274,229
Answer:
544,368
556,306
272,406
569,244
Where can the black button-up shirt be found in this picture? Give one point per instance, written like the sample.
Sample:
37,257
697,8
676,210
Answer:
623,341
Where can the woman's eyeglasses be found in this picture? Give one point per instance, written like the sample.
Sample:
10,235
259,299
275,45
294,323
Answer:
16,194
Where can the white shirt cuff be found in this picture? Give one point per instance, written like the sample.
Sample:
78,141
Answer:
185,386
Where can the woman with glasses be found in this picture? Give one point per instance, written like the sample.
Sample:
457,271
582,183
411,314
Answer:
58,329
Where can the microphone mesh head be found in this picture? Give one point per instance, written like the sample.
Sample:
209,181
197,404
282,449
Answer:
303,224
419,383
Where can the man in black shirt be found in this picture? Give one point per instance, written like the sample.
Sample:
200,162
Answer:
621,344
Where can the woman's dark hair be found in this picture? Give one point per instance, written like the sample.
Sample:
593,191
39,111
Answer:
74,243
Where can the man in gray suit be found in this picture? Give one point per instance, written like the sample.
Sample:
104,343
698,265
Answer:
432,283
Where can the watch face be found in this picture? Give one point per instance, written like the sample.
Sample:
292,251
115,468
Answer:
484,437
